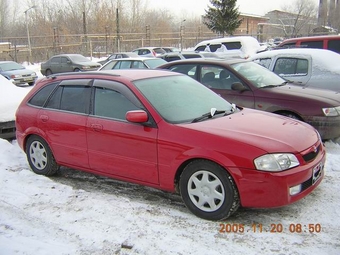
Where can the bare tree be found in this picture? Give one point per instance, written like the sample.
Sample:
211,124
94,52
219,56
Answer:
301,17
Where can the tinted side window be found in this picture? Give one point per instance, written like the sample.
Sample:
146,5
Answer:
71,98
42,95
201,48
216,77
264,62
64,60
111,104
192,56
188,69
313,44
288,45
334,45
172,58
55,60
291,66
233,45
123,65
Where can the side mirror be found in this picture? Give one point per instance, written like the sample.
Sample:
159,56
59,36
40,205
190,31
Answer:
238,86
137,116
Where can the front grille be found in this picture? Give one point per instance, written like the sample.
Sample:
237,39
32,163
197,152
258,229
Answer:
307,184
312,155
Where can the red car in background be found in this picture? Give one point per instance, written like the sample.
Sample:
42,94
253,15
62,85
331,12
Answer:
165,130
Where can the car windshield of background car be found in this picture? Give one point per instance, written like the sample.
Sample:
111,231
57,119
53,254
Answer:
11,66
180,99
258,75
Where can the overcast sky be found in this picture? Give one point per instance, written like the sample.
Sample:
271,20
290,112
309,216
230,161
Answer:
197,7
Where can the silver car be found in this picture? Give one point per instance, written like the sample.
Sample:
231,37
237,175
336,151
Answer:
314,68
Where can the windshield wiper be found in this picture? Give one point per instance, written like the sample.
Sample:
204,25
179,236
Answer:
212,113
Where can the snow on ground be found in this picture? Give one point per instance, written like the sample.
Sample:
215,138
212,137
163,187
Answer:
79,213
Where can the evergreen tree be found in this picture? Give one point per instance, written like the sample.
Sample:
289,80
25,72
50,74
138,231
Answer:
223,17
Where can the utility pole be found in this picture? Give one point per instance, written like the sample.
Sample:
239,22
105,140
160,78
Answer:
118,33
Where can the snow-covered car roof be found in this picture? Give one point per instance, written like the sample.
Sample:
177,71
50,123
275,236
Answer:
325,59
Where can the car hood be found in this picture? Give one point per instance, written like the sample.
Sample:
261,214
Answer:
297,92
18,72
266,131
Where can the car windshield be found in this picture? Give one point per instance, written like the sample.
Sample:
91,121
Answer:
181,99
153,63
10,66
259,76
79,58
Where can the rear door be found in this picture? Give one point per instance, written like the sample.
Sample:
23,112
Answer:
116,146
63,120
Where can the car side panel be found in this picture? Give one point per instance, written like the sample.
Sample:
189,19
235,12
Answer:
122,149
65,133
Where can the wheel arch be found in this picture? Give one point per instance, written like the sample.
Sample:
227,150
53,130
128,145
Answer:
182,166
288,112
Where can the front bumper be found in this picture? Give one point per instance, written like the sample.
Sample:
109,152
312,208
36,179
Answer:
259,189
328,127
24,80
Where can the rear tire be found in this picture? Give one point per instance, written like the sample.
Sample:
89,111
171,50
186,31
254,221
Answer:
48,72
40,157
208,190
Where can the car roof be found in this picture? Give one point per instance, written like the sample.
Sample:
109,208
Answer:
63,55
208,61
308,38
134,59
296,51
129,74
8,61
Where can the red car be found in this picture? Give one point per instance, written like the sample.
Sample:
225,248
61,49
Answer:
167,131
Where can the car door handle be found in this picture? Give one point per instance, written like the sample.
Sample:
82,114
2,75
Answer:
44,118
97,127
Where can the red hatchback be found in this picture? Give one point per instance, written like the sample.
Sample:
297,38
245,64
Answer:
167,131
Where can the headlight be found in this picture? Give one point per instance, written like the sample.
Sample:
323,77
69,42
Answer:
276,162
13,76
334,111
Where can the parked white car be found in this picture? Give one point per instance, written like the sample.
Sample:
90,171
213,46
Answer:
315,68
234,46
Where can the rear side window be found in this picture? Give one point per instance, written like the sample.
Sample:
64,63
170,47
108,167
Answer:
291,66
71,98
233,45
201,48
334,45
264,62
313,44
55,60
42,95
192,56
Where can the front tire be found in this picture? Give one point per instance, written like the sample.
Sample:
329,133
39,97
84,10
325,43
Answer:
40,157
208,190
